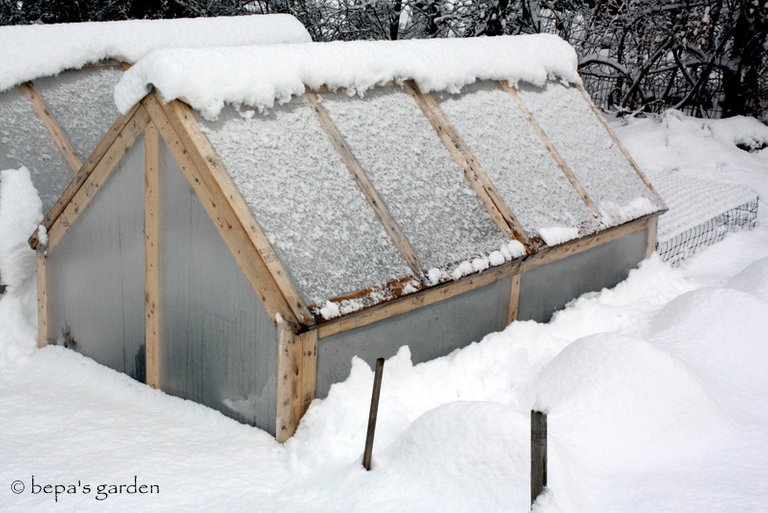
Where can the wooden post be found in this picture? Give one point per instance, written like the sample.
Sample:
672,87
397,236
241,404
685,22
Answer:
373,413
152,254
514,298
42,300
296,377
538,453
653,225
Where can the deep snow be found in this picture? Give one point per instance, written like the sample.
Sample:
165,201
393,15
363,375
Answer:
656,390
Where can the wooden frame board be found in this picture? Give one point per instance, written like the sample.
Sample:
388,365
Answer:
152,305
296,378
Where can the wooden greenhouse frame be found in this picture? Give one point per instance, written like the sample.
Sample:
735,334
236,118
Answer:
299,328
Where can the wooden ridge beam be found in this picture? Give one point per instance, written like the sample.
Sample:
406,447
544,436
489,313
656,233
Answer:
152,214
251,261
451,289
57,133
95,179
364,184
465,159
564,167
205,158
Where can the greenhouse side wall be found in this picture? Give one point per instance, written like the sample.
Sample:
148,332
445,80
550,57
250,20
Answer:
548,288
431,331
218,344
96,273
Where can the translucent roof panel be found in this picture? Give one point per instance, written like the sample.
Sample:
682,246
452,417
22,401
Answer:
24,141
514,157
582,140
82,103
306,201
422,186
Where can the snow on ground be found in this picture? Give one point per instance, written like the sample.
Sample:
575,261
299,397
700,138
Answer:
656,391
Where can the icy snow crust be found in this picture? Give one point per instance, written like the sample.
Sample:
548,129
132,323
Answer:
28,52
418,180
207,78
81,101
24,141
597,162
519,165
306,201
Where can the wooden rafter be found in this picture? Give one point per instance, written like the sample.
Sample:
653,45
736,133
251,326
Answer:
95,179
474,173
564,167
219,209
152,254
206,159
451,289
57,133
366,187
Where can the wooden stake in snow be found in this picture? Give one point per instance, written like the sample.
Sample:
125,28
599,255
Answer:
373,413
538,453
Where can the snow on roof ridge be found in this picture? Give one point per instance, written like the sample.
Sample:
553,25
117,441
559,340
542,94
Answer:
28,52
257,76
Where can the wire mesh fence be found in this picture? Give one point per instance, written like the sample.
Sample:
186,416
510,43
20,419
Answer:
689,242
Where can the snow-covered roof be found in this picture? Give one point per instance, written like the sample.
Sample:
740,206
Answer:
207,78
28,52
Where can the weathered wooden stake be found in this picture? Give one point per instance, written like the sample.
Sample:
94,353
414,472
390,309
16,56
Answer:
373,413
538,453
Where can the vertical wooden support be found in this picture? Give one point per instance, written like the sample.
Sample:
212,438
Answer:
152,253
53,127
42,300
514,298
652,227
296,377
538,453
564,167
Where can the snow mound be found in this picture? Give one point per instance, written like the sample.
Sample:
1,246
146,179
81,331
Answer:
720,334
28,52
753,279
20,212
258,76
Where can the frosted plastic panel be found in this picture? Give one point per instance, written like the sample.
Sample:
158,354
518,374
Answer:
415,175
585,145
306,201
517,162
81,101
24,141
96,273
219,346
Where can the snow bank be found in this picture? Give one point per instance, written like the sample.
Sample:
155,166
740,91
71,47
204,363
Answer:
32,51
259,76
20,213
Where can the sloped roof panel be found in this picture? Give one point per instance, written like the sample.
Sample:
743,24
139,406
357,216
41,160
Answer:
81,101
24,141
515,159
598,163
422,186
306,201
